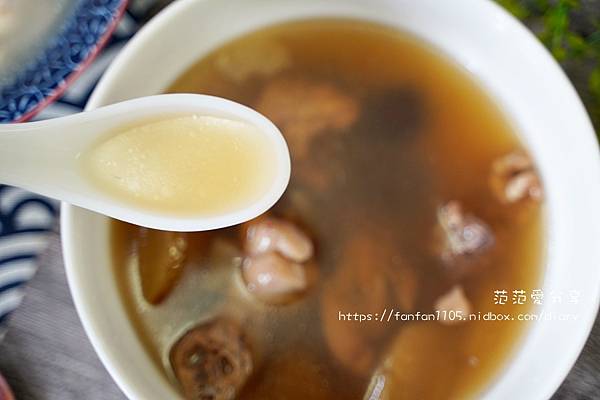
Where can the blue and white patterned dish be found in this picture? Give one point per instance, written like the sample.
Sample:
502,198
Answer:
50,71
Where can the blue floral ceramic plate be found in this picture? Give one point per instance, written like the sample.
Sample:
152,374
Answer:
46,59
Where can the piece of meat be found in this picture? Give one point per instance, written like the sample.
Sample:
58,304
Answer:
359,285
514,179
212,361
463,234
268,234
303,109
260,58
161,259
273,278
454,301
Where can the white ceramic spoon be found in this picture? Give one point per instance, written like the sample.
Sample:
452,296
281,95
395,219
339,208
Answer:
42,157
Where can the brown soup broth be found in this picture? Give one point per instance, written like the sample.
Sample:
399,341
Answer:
426,133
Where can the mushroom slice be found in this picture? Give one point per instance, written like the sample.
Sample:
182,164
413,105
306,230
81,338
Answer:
162,258
514,179
454,301
212,361
272,278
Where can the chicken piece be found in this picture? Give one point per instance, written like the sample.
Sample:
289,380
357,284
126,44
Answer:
464,234
261,58
161,256
304,109
272,278
359,285
264,235
456,301
514,179
212,361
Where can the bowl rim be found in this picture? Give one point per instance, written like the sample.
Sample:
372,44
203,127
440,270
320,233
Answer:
505,21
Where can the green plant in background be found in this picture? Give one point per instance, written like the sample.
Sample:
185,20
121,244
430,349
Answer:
570,29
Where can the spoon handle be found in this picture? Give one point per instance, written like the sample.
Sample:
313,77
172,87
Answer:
38,155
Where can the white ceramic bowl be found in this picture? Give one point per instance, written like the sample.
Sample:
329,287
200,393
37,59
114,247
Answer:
489,43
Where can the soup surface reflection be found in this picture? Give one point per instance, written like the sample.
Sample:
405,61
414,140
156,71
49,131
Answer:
410,193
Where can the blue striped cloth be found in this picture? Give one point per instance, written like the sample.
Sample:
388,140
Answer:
25,218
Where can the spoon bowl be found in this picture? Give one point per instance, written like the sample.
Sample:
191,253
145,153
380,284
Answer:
43,157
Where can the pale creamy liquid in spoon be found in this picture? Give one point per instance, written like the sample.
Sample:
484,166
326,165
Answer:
188,165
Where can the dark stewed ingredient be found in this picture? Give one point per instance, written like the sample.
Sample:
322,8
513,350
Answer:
394,114
212,361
